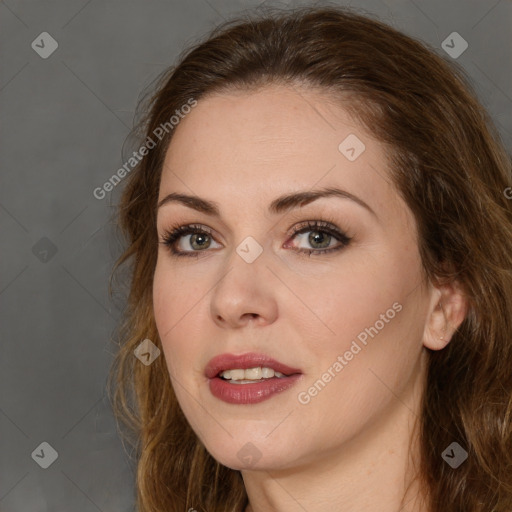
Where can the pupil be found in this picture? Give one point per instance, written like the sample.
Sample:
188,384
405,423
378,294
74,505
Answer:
316,237
194,238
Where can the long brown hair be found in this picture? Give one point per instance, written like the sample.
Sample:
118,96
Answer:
448,163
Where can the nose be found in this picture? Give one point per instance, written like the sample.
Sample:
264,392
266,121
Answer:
244,294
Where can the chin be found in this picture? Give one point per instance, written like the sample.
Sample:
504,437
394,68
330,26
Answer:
245,453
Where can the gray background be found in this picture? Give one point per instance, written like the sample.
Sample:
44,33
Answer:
64,121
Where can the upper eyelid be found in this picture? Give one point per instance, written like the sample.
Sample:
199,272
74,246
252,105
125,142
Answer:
312,209
315,223
293,217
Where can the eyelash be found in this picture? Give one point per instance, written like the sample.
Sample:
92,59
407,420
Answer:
176,232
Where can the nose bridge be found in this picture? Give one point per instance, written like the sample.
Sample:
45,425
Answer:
243,291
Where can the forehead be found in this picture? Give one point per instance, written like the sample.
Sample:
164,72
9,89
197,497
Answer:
271,122
276,138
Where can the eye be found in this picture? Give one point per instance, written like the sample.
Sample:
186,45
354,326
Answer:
200,239
321,236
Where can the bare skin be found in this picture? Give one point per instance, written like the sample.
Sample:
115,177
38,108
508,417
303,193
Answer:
344,447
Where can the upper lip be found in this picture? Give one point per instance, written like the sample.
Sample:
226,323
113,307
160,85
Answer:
244,361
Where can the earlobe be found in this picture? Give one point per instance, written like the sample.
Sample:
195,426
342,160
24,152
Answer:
447,311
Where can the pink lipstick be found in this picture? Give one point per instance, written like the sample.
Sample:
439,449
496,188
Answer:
264,378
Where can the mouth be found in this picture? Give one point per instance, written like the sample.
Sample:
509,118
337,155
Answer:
249,366
248,378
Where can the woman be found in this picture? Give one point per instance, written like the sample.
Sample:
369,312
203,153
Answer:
320,245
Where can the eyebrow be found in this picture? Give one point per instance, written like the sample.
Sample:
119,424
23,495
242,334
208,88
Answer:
280,205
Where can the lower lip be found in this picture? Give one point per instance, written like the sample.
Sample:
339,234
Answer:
250,393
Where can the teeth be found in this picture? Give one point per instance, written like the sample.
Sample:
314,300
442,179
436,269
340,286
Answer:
267,373
235,374
251,374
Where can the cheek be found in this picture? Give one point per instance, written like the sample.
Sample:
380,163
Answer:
174,296
372,354
346,299
372,318
357,381
175,302
177,307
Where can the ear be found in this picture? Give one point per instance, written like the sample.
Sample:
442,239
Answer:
447,310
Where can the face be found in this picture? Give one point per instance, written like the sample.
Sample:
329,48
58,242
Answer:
330,286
